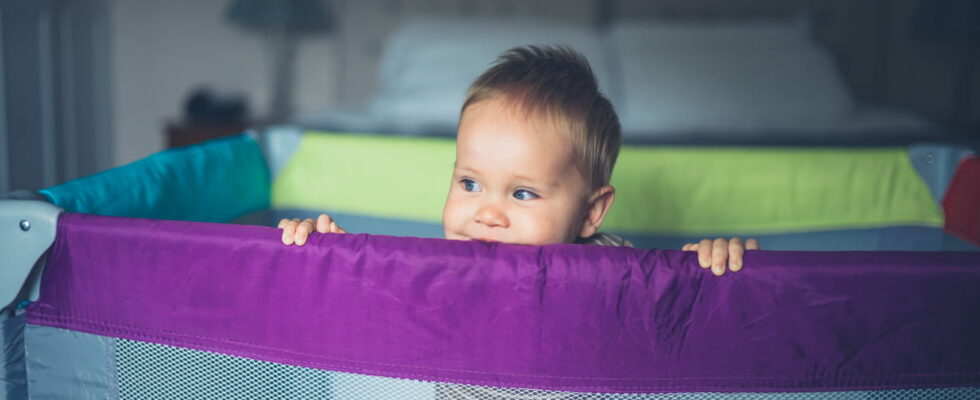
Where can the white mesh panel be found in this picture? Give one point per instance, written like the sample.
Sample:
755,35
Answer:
153,371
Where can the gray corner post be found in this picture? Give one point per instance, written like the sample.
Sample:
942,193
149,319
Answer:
27,230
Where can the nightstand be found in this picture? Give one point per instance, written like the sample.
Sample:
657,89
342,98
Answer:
184,133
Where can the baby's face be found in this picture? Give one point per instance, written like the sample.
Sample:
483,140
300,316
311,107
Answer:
515,180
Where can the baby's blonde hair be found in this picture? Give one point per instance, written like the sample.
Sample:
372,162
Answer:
557,83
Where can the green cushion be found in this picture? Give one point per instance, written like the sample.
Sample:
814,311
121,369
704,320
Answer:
385,176
659,190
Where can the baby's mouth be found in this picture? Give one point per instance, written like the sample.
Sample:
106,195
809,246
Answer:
486,240
480,239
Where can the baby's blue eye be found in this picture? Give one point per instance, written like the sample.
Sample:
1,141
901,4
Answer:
524,194
470,186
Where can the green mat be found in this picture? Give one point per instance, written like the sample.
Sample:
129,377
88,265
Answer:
660,190
382,176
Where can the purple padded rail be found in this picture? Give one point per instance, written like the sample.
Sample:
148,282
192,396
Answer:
562,317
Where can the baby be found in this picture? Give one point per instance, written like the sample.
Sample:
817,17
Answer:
535,149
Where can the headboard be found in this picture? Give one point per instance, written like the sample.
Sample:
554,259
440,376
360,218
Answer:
854,31
365,24
851,30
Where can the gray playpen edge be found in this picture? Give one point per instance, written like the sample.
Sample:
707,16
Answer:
27,230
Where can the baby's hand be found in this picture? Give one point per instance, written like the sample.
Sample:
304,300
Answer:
296,231
713,253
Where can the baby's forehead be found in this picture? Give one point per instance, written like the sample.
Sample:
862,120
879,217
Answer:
507,135
535,117
493,119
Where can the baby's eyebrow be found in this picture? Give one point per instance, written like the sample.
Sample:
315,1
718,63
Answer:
457,166
536,184
525,178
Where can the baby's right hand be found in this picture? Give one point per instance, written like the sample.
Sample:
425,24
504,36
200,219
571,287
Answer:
296,231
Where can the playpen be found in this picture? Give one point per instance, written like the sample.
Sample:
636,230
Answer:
132,284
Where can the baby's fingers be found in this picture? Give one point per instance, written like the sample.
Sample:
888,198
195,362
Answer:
719,256
303,231
690,247
323,223
735,252
704,253
288,230
752,244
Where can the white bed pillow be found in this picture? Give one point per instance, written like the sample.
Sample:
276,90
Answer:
429,62
689,76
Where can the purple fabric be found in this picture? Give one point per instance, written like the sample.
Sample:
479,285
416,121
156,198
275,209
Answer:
563,317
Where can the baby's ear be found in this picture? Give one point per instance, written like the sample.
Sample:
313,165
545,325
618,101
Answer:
599,202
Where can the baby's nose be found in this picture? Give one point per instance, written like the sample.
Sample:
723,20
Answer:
492,216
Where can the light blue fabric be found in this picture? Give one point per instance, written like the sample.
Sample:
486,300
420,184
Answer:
13,376
66,364
937,163
278,144
358,223
215,181
891,238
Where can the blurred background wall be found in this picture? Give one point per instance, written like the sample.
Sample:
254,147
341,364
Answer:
162,49
90,84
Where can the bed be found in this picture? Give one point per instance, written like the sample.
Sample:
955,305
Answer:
676,73
734,85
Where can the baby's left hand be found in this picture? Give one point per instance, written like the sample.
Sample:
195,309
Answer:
714,253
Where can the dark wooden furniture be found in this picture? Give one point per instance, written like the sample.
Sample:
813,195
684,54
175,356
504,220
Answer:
184,133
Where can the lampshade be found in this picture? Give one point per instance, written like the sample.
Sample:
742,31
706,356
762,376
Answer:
949,19
297,16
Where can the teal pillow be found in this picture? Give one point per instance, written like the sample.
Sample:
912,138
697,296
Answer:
215,181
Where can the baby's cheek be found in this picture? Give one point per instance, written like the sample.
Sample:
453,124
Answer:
542,229
451,218
563,226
